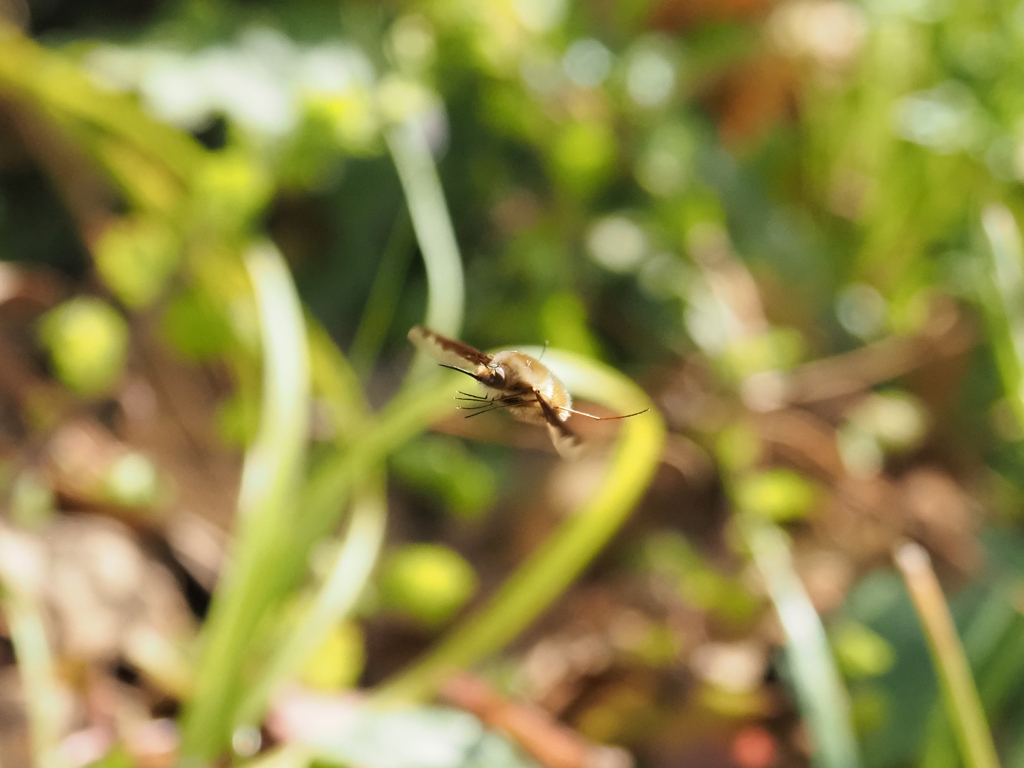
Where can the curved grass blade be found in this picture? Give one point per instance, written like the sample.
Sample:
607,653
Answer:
60,87
994,645
1003,302
959,693
548,571
333,603
336,384
385,296
336,475
38,677
823,699
433,227
271,479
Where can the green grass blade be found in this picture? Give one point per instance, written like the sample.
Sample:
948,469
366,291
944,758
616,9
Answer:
38,677
994,648
823,699
61,87
1004,307
959,693
337,386
335,475
548,571
385,295
271,479
287,756
333,603
432,225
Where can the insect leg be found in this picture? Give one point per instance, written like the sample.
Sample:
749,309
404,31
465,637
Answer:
471,396
600,418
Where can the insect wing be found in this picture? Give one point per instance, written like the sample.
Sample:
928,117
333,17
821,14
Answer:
566,442
445,350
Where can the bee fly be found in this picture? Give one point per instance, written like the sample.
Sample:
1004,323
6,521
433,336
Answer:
514,380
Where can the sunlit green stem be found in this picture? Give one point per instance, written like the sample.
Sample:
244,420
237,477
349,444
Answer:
994,645
285,756
384,296
963,705
333,603
1006,312
271,479
823,698
547,573
337,387
432,225
59,86
333,478
38,679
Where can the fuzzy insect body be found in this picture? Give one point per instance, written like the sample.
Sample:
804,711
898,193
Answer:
515,381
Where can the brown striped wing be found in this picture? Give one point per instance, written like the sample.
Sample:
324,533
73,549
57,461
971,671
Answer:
566,442
445,350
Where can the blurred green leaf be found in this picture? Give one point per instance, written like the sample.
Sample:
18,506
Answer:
196,327
133,481
582,156
870,708
824,701
428,582
136,257
272,480
860,651
443,468
738,447
563,323
776,494
230,190
32,500
431,737
88,343
339,660
665,164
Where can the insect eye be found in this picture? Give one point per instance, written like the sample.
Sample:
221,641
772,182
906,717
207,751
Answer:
499,374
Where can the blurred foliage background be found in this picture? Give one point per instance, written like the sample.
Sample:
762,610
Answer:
240,522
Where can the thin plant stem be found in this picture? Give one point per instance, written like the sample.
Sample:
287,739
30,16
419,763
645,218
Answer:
959,693
335,475
60,86
385,293
38,676
433,227
823,699
994,648
1004,309
271,479
335,600
548,572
